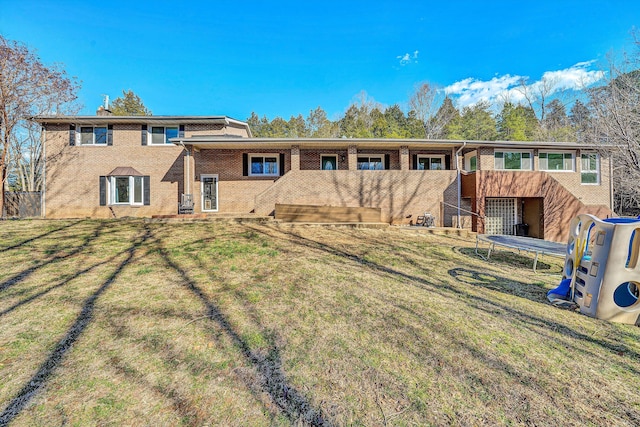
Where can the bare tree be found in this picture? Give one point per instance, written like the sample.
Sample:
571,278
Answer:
616,123
27,88
425,102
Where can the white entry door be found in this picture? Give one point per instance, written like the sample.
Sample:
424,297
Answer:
209,191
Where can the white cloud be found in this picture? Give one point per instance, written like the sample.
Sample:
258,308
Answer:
408,58
470,91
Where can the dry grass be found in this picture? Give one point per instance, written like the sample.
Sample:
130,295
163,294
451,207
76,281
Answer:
134,323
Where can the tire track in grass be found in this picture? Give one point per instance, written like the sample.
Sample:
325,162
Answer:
291,402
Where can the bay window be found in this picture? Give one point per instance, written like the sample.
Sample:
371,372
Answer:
124,190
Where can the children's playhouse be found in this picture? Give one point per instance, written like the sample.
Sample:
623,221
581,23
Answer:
602,269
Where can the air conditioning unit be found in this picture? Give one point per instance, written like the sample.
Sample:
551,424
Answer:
207,205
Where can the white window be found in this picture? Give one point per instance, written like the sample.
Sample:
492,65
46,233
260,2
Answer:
126,190
434,163
264,164
160,135
93,135
590,168
328,162
512,160
371,162
471,161
556,161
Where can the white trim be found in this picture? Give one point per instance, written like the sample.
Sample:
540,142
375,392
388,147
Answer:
263,155
597,171
93,136
111,190
328,155
467,160
563,152
431,156
202,202
166,142
530,152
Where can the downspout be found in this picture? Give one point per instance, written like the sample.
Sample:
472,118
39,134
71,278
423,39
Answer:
611,200
464,143
187,171
43,199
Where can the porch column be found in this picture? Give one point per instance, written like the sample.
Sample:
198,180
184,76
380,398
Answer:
404,158
295,157
352,151
189,170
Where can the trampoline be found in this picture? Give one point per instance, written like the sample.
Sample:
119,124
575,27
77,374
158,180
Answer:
527,244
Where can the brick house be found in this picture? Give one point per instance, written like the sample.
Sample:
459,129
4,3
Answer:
113,166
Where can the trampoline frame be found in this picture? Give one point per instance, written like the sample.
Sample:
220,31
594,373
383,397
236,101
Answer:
555,249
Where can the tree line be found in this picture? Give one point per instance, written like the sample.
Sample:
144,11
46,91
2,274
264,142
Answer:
607,116
365,118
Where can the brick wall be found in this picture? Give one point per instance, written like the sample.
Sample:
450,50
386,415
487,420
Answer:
398,193
72,172
310,159
588,194
560,203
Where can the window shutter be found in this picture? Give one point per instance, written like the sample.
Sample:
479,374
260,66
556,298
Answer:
103,191
147,191
144,134
386,161
72,135
181,131
447,162
281,164
245,164
110,135
415,162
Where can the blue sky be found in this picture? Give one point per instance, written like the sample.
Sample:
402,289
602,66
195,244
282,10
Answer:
282,58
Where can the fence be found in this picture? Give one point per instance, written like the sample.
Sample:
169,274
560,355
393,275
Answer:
23,204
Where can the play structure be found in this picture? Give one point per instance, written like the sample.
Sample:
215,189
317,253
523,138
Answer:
601,270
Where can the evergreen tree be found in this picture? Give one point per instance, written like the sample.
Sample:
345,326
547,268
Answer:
129,104
319,126
449,116
516,123
297,127
477,123
556,126
580,120
396,123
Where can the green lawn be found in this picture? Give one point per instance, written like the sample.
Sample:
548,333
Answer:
214,323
